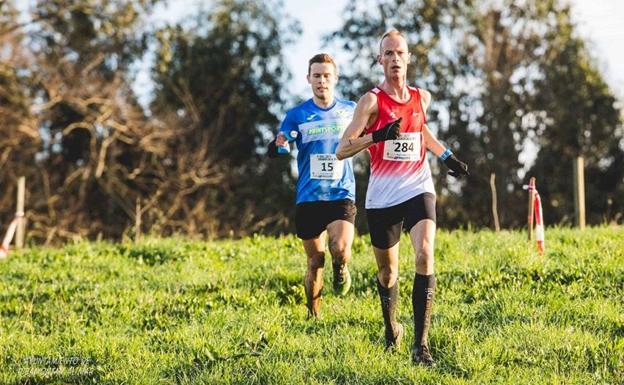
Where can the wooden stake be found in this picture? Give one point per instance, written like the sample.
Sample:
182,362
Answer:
579,191
19,213
531,198
494,204
137,220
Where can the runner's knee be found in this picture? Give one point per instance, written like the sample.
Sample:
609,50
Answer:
424,258
388,276
339,250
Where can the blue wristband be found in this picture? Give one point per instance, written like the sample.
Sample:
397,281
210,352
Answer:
445,154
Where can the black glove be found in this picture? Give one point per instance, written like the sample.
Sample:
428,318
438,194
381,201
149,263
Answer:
272,150
389,132
458,168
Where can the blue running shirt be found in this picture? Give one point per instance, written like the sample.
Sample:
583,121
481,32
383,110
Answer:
321,176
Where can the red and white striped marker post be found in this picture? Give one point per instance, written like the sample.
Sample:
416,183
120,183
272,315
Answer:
535,211
17,225
539,223
8,237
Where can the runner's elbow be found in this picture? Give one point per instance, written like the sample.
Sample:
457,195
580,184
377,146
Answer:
341,154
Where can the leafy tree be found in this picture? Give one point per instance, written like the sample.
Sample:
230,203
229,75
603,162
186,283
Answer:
220,75
72,83
19,139
505,77
578,118
98,164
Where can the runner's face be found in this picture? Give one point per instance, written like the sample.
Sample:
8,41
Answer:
322,79
394,56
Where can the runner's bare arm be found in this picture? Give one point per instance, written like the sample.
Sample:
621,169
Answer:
351,142
431,142
425,99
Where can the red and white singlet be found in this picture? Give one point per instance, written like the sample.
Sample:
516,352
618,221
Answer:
399,168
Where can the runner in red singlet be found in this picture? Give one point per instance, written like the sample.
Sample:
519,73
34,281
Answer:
390,121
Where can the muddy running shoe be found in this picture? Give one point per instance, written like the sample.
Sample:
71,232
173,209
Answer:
342,279
394,343
421,355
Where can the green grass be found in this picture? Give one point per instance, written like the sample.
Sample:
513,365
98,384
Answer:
188,312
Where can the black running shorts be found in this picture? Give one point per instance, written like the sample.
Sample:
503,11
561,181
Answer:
385,224
312,218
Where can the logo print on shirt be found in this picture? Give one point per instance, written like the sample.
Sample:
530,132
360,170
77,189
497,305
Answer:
343,114
312,116
393,115
326,129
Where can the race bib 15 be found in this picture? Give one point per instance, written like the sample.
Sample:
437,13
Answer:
325,166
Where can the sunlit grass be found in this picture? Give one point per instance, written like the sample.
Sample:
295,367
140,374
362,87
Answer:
183,311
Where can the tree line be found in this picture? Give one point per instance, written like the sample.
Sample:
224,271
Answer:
515,90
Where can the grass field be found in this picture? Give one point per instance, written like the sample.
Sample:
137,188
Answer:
189,312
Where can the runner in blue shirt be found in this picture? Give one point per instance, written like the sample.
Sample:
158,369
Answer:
326,185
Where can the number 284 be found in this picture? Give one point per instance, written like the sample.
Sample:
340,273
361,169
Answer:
403,147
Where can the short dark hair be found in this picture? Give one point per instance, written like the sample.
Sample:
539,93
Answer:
321,58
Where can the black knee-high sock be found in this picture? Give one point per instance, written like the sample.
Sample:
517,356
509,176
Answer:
422,301
389,297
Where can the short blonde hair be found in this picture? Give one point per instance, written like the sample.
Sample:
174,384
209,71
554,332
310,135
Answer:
391,32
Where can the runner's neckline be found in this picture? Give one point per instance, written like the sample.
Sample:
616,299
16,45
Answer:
324,109
394,100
